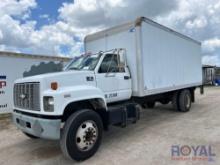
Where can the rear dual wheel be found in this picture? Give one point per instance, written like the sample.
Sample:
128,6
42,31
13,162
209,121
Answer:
182,101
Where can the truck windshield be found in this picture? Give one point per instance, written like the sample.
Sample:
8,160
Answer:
84,62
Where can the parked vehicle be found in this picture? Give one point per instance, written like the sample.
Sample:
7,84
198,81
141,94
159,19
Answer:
209,74
137,64
217,82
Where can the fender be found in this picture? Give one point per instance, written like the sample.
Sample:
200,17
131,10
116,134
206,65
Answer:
66,95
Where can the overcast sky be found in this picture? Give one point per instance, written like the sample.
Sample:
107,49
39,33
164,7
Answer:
58,27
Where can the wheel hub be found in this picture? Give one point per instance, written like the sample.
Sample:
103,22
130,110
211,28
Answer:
86,135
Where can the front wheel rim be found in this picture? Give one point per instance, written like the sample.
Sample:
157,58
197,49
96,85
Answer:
86,135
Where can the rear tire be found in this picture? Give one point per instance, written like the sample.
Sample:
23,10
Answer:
175,101
30,136
82,135
185,101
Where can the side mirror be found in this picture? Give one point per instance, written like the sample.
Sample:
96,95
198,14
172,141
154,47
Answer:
122,57
122,60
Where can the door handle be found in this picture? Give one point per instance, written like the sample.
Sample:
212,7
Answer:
126,77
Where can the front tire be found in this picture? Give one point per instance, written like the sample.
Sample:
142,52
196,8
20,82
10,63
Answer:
82,135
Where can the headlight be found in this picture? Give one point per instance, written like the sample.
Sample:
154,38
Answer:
48,104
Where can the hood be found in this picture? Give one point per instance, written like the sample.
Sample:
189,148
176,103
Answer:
64,79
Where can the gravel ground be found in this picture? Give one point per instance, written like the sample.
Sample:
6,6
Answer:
147,142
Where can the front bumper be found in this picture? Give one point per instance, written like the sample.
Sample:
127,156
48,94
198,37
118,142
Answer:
39,127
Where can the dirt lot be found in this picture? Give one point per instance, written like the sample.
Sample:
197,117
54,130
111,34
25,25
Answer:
147,142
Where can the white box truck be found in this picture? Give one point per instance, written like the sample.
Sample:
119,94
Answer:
136,64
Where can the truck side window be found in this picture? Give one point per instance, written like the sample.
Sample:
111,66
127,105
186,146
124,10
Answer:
109,64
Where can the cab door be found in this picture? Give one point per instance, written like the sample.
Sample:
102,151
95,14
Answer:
113,79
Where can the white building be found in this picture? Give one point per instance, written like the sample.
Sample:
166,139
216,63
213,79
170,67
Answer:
17,65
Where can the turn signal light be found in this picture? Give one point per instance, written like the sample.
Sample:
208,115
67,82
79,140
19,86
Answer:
54,85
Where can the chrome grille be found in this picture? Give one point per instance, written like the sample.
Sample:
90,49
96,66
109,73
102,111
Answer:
27,96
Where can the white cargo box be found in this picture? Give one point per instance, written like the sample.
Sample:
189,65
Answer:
160,59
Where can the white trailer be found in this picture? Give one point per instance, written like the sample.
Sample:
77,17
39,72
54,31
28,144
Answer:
159,59
17,65
132,65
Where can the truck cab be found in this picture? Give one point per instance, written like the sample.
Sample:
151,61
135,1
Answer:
111,73
49,106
